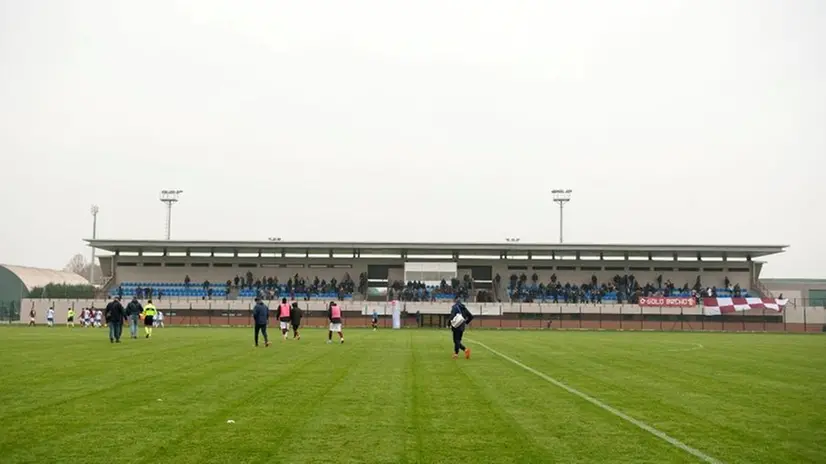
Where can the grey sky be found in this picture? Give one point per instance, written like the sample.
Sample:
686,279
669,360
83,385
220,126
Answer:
696,121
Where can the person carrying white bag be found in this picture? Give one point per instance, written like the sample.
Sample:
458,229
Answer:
460,317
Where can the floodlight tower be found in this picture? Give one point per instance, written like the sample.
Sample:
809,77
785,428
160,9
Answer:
562,197
94,210
170,197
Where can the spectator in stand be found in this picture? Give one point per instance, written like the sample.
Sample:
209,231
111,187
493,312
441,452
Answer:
187,281
237,280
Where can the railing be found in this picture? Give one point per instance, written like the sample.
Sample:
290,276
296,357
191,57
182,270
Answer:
760,287
104,286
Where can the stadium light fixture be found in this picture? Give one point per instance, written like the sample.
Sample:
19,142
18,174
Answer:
94,210
562,197
512,239
170,197
275,239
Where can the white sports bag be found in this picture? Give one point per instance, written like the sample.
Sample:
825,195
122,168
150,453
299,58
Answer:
457,321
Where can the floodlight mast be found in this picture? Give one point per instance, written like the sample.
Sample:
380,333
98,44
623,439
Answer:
94,210
561,196
170,197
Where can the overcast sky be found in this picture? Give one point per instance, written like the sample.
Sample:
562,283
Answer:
699,121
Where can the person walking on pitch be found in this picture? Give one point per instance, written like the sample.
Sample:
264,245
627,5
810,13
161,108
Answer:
149,312
115,315
460,317
295,319
261,315
375,320
70,318
284,317
334,314
133,312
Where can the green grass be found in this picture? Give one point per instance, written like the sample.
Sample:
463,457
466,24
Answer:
397,397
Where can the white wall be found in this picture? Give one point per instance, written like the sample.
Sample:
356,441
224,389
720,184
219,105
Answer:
792,314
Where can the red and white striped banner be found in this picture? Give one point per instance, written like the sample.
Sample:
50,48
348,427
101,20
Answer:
718,306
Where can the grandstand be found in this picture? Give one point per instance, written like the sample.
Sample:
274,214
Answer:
429,271
516,285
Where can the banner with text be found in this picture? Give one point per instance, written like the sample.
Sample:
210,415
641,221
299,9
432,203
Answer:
656,301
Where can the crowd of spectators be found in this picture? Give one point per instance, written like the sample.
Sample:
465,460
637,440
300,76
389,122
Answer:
271,288
142,293
620,289
421,291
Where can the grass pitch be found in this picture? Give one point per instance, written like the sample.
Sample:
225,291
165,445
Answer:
397,397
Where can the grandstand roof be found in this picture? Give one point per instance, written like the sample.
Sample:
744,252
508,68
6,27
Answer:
377,248
32,277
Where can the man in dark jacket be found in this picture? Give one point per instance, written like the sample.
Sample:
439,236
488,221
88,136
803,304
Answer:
295,319
261,315
133,311
459,318
115,315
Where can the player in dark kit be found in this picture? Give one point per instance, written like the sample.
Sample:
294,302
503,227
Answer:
295,320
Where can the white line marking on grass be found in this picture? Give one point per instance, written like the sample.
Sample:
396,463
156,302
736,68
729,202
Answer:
661,435
694,347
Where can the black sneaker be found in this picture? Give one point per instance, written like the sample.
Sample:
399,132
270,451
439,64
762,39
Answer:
111,340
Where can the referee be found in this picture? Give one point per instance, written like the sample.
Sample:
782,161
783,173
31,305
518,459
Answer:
149,312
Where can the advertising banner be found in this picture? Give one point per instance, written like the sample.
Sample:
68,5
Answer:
657,301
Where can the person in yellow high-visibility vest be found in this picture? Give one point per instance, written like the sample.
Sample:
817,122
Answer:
149,312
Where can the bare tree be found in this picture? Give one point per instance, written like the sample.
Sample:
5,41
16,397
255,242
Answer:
77,264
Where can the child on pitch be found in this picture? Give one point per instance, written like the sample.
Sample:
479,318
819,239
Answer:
334,314
50,317
284,317
460,317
